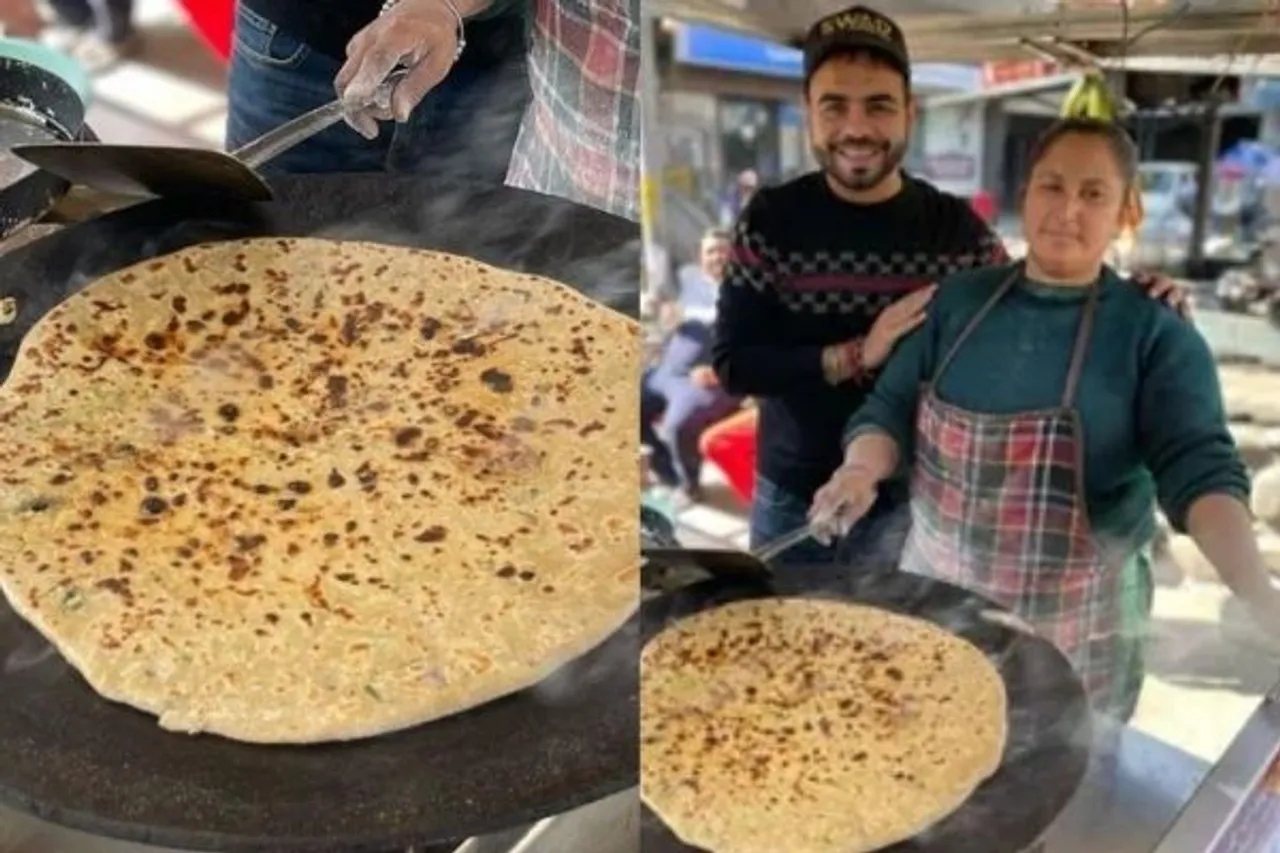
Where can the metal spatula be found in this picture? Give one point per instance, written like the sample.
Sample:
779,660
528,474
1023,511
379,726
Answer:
666,564
145,170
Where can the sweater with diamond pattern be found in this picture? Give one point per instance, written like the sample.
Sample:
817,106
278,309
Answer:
810,270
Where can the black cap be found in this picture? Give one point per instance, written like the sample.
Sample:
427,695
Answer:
856,28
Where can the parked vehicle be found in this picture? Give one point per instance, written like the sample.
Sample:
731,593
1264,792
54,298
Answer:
1241,288
1238,290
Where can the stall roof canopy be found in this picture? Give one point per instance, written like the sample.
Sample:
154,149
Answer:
988,30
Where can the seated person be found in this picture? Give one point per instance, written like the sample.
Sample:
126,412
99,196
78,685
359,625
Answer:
679,398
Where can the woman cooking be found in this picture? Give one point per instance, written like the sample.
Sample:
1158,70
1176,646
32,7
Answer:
1041,422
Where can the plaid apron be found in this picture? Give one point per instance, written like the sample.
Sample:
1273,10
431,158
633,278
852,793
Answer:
580,138
998,506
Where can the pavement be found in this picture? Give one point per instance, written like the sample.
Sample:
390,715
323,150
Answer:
1244,337
171,93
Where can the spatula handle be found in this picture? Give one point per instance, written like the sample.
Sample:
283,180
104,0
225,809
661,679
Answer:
273,143
786,542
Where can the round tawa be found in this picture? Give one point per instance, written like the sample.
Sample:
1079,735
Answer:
1047,750
68,756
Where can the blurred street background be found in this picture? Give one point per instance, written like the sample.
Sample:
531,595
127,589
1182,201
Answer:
169,92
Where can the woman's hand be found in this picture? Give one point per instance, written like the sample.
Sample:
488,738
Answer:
845,499
1222,528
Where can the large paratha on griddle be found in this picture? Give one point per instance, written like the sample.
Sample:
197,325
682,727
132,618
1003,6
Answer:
292,491
813,726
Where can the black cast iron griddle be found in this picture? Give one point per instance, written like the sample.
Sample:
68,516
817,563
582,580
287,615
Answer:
1048,746
70,757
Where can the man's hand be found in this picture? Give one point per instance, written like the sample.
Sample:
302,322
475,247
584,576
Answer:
1167,290
894,323
704,377
422,35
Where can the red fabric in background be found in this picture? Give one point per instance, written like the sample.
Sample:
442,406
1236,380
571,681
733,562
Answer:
984,204
732,449
214,20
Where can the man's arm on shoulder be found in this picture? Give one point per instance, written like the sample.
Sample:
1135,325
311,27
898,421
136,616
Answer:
747,357
979,240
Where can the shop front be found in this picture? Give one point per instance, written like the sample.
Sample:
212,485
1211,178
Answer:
731,102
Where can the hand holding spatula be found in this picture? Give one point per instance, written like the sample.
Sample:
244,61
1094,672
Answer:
838,505
144,170
424,37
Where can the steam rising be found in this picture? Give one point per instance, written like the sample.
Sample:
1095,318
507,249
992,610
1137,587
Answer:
27,652
30,650
567,683
27,655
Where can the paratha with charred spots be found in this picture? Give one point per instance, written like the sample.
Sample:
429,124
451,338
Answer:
813,726
294,491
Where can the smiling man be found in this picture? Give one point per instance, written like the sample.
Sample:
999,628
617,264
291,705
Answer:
830,270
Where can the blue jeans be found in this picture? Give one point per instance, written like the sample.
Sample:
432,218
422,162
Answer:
876,541
464,130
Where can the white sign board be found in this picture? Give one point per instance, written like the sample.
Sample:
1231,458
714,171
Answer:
953,137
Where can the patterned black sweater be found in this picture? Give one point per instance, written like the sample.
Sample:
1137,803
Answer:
810,270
